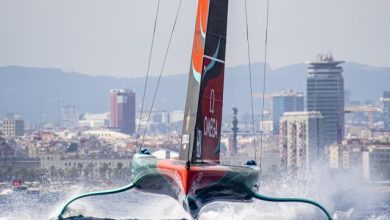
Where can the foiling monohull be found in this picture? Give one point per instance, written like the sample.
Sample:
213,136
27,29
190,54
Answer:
197,178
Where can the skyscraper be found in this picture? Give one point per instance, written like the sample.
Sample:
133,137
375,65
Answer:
386,109
70,116
301,140
325,93
285,102
123,110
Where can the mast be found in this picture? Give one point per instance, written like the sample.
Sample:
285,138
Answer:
203,109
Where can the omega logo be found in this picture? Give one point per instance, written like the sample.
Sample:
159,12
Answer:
210,124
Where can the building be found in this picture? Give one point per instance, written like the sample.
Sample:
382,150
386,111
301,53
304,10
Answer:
301,140
123,110
325,93
376,163
285,102
346,157
267,126
176,116
89,120
106,134
6,154
69,116
386,110
13,125
93,165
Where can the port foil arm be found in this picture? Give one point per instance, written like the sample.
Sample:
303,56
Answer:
299,200
97,193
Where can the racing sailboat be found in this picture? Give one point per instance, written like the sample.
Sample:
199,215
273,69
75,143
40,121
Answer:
197,178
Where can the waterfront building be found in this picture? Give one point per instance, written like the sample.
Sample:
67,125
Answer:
346,156
376,163
13,125
325,93
123,110
301,140
93,164
285,102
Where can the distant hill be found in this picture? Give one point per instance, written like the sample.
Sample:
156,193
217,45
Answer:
29,91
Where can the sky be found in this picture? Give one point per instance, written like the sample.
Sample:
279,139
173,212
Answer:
113,37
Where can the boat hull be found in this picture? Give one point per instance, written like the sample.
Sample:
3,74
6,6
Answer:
196,186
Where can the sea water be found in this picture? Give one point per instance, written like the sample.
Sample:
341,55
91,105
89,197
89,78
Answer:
345,203
345,196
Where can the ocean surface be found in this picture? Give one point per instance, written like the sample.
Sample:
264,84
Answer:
345,201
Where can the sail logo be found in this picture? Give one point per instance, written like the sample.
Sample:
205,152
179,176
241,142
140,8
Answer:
212,101
210,124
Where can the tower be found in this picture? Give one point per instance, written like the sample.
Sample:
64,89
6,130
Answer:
325,93
123,110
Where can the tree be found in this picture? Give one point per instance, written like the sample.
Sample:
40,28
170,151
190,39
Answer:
80,169
103,171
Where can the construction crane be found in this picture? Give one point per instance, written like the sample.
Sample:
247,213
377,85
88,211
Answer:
369,109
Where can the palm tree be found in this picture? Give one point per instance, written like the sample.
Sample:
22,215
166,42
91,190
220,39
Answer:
118,170
103,171
80,169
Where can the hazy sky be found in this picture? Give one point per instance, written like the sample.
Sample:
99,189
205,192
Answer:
112,37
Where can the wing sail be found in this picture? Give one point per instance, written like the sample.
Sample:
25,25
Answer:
203,110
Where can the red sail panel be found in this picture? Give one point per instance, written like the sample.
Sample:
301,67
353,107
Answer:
211,110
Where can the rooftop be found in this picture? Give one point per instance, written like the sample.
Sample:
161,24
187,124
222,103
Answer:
324,60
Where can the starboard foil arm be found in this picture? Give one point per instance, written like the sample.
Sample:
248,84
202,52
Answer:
97,193
297,200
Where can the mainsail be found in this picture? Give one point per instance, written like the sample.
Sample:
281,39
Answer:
203,110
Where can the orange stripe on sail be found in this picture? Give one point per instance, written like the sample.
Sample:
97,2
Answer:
201,26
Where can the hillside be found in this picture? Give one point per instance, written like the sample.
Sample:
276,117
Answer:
29,91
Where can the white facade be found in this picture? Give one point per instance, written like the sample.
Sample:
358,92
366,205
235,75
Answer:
70,116
58,162
106,134
176,116
301,140
376,164
13,125
95,120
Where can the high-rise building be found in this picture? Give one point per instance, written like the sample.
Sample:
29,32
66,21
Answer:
325,93
13,125
69,116
285,102
123,110
301,140
386,109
